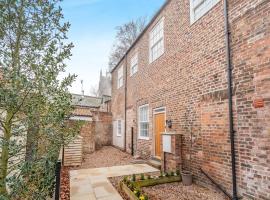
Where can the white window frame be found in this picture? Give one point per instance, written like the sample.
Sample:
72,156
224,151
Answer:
119,127
134,64
139,122
120,77
196,4
159,41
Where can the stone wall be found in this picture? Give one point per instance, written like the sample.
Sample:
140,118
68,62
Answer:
190,80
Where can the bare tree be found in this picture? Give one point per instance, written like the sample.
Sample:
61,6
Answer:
125,36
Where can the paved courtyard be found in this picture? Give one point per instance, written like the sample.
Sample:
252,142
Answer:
93,184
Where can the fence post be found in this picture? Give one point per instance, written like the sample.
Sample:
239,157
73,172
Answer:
58,179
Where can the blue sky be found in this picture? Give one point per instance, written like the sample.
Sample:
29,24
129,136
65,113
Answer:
92,31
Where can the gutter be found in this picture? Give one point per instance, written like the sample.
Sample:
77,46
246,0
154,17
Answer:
125,137
230,101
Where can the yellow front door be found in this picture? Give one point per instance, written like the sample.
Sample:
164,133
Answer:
159,129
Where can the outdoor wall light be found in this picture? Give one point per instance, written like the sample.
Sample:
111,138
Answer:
169,123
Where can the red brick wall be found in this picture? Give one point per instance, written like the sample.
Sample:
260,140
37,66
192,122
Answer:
103,129
190,80
98,131
88,134
251,53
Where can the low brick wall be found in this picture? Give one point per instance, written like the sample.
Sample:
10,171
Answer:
172,161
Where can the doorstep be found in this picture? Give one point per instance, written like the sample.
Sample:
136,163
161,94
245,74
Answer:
154,162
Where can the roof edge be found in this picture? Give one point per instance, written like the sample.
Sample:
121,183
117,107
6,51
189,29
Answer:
86,96
142,33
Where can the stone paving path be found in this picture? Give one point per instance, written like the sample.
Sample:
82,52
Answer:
93,184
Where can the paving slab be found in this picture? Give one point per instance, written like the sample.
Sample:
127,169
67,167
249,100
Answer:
93,184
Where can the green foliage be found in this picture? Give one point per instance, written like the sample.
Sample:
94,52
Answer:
178,172
142,177
137,192
34,103
149,176
131,186
133,178
143,197
125,179
172,173
35,177
161,174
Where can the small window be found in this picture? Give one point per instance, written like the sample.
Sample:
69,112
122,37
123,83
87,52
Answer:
199,7
120,78
134,64
144,122
119,128
157,41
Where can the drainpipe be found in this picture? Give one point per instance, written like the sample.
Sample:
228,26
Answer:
125,137
229,70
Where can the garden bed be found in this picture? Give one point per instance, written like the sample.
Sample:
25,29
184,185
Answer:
172,191
131,186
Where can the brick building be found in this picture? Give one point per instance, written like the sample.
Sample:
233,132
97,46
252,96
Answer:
176,71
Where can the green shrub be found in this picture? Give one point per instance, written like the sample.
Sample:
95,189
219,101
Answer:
143,197
137,192
133,178
142,177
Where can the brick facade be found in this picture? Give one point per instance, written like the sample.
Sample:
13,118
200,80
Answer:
190,81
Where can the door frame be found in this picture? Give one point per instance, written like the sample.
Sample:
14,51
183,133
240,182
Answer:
157,111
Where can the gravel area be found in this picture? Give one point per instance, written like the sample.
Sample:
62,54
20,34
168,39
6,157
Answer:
174,191
106,157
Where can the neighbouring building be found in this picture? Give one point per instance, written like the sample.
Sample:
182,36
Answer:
97,128
174,79
104,86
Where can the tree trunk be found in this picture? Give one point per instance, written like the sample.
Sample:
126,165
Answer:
4,159
32,140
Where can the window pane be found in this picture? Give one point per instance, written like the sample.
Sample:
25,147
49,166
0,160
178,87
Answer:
120,77
143,121
156,41
134,64
200,7
144,129
119,128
